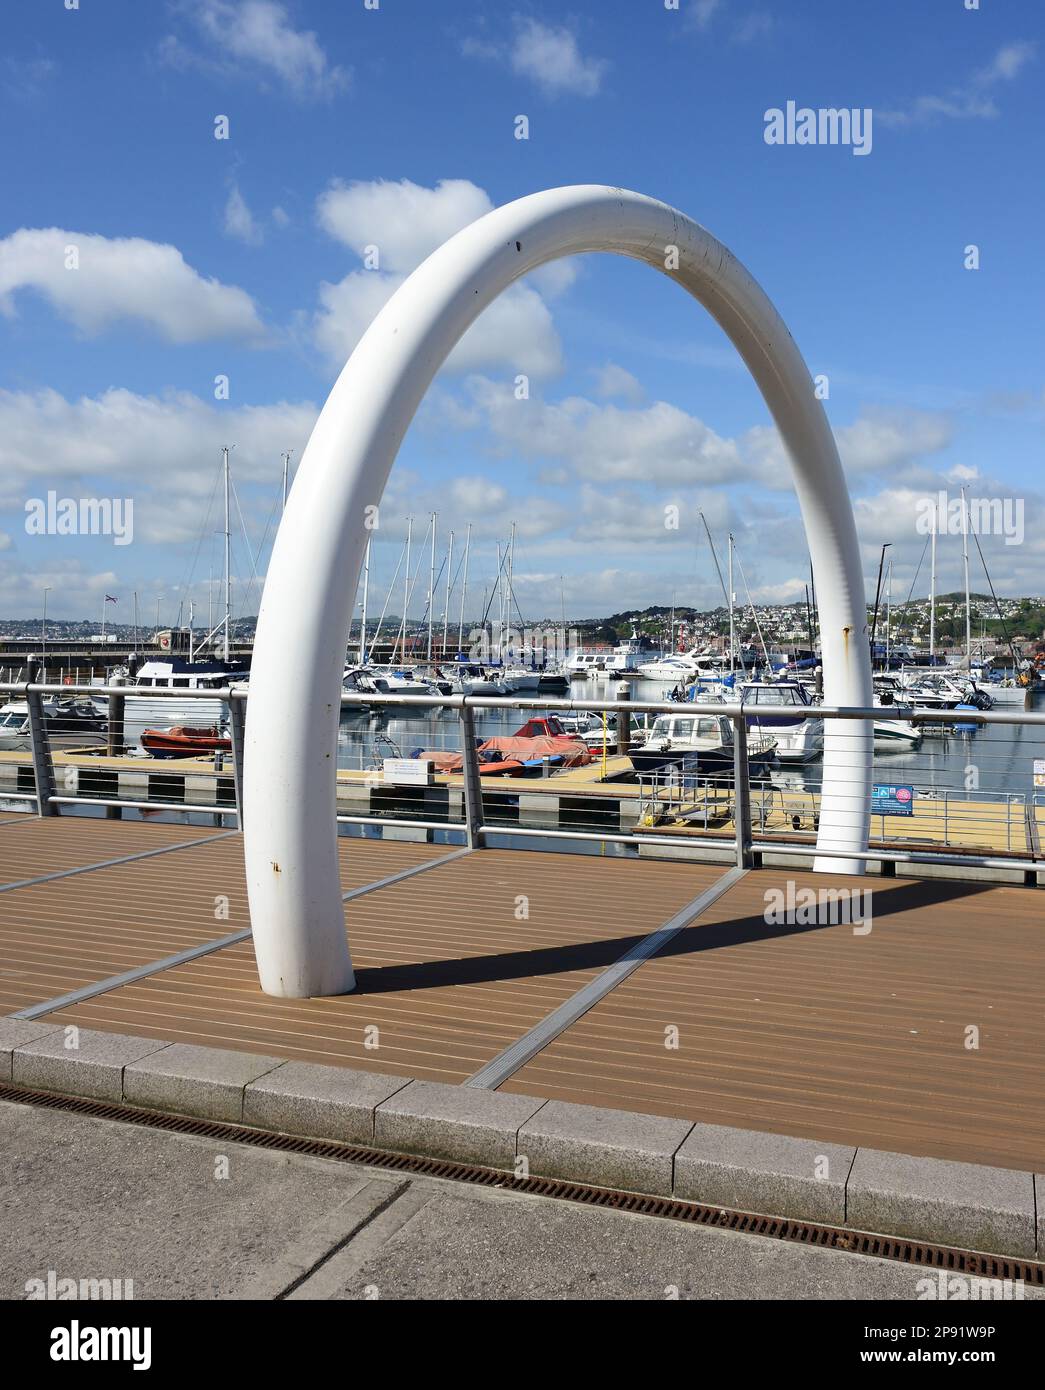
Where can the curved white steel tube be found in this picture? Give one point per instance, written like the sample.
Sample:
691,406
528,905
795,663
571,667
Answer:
307,607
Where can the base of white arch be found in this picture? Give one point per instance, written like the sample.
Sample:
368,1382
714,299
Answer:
290,767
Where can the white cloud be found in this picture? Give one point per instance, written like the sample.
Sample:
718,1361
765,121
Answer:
613,381
516,332
124,278
406,222
257,36
160,450
973,99
548,55
239,220
658,444
880,442
552,58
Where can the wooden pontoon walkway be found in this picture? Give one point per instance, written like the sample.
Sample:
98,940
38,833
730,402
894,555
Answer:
818,1031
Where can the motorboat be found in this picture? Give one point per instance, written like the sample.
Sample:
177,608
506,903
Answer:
73,722
146,708
625,658
697,743
673,669
785,709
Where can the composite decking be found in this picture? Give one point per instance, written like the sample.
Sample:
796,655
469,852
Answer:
924,1034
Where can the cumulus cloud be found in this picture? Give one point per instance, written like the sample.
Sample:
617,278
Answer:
403,223
257,36
973,99
547,54
658,443
160,450
878,442
96,282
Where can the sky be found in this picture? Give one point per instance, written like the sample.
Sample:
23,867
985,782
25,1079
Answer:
164,292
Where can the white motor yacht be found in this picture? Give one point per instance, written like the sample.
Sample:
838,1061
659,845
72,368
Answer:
785,710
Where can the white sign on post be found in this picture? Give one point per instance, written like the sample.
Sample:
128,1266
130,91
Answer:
410,772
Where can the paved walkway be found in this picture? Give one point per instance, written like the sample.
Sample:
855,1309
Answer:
92,1199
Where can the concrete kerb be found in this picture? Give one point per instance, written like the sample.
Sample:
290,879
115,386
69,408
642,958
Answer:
996,1211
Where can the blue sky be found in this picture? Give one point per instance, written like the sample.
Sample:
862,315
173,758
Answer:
393,127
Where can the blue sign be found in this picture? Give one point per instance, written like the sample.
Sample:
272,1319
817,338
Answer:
892,800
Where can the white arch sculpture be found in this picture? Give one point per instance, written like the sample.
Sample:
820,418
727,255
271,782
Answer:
290,765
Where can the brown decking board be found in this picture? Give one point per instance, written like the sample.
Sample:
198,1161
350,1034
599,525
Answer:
446,972
49,844
58,936
820,1033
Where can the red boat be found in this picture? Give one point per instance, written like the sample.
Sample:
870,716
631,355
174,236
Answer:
183,741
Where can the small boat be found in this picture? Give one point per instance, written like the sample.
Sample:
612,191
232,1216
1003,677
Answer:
72,722
185,741
697,743
785,708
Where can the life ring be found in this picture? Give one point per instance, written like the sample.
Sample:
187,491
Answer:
67,680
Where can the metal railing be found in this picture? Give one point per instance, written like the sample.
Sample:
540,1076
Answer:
480,807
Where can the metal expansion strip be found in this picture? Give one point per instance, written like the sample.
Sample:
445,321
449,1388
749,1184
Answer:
77,996
111,863
512,1058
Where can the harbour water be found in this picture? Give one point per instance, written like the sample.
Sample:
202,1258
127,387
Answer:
996,760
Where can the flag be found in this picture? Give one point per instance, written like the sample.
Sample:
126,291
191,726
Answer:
109,599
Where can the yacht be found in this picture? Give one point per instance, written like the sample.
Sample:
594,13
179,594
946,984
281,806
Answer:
785,709
625,658
175,674
670,668
395,680
471,678
697,743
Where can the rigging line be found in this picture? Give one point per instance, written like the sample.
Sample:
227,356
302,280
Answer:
190,568
751,605
1001,617
914,581
714,556
245,589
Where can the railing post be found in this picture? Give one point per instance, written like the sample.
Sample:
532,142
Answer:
473,791
741,793
115,737
43,768
237,718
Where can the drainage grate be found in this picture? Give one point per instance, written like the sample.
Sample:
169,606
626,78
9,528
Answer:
770,1227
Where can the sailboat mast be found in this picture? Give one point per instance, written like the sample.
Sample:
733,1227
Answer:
446,604
431,590
965,562
366,589
464,585
932,589
730,575
511,591
228,558
406,590
500,601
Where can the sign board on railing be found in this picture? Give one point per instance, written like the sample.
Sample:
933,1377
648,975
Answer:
888,799
408,772
1039,772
